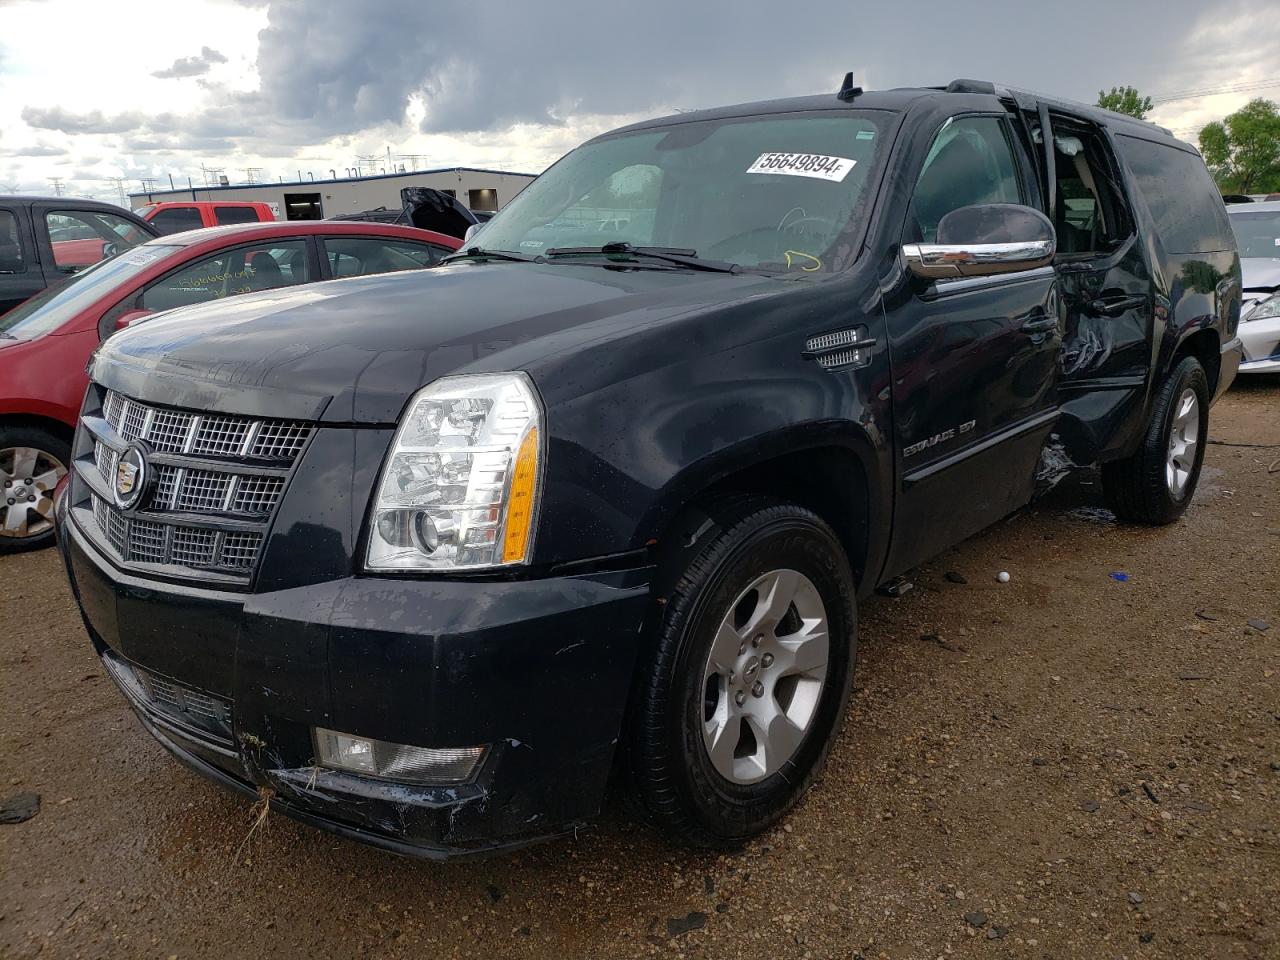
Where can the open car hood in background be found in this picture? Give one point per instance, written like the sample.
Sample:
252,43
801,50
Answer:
429,209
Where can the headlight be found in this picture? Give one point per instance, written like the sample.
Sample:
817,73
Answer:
459,489
1267,309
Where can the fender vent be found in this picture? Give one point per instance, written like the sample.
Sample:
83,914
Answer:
841,348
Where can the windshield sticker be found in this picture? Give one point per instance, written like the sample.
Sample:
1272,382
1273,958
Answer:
865,135
803,165
141,258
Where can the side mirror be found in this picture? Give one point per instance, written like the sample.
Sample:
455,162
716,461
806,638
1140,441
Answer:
983,240
471,232
110,249
130,317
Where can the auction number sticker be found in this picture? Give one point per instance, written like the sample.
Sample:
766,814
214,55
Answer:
803,165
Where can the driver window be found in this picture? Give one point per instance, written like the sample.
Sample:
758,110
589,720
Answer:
243,270
969,162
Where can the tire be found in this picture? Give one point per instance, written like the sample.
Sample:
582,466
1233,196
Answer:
681,694
1150,487
26,508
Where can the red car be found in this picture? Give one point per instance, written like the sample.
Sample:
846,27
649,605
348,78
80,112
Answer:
176,217
46,342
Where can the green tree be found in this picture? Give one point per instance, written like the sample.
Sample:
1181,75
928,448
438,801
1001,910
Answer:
1243,150
1125,100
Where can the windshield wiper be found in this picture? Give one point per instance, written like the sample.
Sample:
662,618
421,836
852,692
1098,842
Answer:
677,255
480,253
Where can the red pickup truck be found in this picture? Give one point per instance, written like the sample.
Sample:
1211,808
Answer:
193,214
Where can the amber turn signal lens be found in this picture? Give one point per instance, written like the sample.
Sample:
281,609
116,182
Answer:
524,479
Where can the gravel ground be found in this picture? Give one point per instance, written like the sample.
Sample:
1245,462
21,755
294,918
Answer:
1067,765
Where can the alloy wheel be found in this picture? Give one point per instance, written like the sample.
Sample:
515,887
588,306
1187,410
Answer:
764,676
1184,442
27,479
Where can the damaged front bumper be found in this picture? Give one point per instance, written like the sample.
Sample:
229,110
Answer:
1261,341
233,684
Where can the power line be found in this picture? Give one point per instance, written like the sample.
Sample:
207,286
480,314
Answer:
1243,86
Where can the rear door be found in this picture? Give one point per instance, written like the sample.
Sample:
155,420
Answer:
1107,288
225,214
177,220
974,359
349,256
20,274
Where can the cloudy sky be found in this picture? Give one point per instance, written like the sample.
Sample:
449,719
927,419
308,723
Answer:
93,90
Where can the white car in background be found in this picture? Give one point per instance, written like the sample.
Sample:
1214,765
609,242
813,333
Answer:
1257,230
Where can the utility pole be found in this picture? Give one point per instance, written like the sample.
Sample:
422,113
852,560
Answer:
57,185
119,182
252,174
371,160
411,161
148,185
211,174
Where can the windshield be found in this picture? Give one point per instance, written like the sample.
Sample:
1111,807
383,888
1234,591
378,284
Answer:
1257,232
783,192
55,306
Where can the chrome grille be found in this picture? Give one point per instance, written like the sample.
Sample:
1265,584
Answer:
146,541
247,462
257,494
193,546
215,435
279,440
149,541
203,492
169,430
221,436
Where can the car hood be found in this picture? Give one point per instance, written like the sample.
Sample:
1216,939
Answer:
1260,273
354,351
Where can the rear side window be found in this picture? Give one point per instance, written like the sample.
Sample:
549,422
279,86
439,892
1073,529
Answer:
970,162
177,219
362,256
1187,208
11,260
235,214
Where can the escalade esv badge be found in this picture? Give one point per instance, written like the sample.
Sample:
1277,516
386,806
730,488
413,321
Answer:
130,478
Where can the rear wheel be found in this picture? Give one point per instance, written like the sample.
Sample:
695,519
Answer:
32,461
1157,483
747,681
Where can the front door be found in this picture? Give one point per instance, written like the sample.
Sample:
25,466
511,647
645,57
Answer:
974,360
20,275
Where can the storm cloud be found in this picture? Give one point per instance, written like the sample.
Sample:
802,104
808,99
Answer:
335,67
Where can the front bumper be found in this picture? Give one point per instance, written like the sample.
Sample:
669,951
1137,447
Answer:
539,671
1261,342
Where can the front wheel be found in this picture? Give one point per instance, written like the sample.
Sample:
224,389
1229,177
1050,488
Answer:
32,461
748,676
1156,484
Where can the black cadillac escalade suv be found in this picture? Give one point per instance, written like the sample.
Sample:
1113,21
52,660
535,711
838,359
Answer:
425,557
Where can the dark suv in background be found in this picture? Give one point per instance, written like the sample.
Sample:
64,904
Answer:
44,240
426,557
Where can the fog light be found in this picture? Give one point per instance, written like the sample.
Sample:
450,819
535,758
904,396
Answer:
396,761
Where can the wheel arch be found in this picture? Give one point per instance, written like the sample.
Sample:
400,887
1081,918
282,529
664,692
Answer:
35,421
1205,345
832,469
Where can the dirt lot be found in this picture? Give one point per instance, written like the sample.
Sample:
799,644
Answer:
1067,765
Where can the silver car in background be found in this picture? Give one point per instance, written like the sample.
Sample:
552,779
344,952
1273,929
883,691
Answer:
1257,230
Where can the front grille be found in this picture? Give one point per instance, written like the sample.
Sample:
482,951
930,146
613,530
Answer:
210,503
194,711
